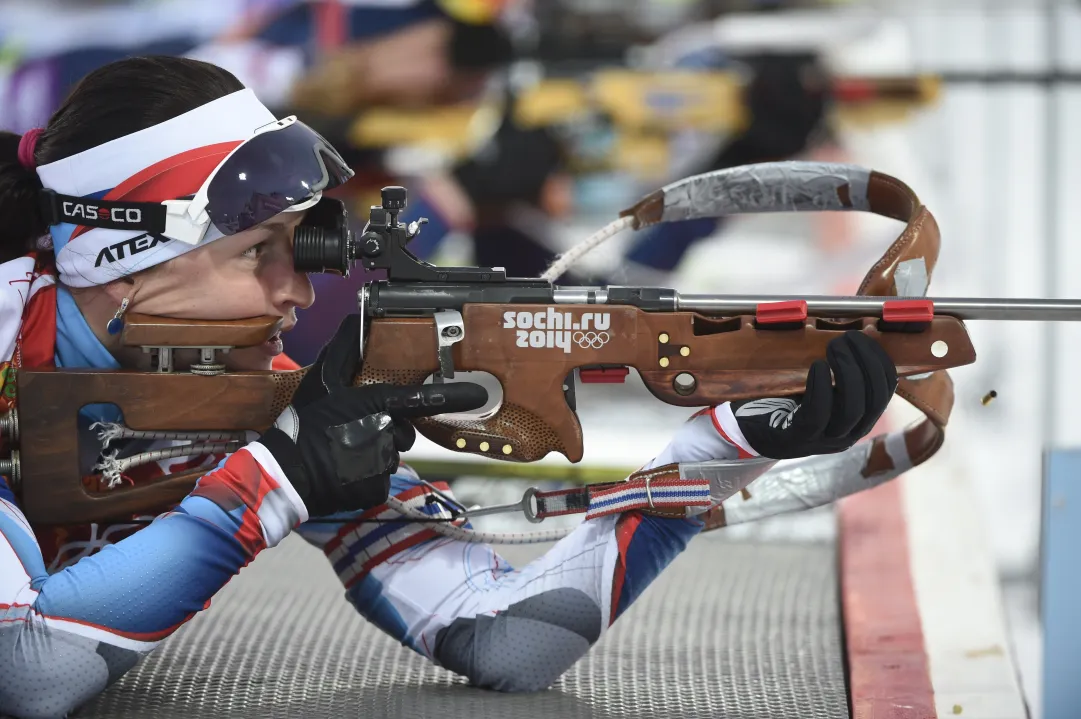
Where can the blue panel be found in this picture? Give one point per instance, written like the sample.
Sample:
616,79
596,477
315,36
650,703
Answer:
1060,591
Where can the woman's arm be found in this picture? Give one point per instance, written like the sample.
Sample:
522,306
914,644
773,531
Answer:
66,637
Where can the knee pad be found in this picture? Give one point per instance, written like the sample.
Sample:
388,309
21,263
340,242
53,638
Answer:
527,646
52,672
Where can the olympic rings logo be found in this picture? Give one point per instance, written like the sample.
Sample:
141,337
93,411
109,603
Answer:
594,340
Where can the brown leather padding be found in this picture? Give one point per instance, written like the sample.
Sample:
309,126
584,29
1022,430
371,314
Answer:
713,518
919,239
889,197
933,394
647,211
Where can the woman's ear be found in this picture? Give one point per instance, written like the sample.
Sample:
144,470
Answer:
125,287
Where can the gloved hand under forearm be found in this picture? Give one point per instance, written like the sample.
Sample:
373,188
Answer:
830,416
740,441
339,444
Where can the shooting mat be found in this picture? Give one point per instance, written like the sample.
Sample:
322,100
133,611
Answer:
738,629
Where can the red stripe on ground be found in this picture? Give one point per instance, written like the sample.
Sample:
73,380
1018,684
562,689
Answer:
890,677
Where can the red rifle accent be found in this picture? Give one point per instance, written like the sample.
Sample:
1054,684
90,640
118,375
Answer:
908,311
603,375
772,313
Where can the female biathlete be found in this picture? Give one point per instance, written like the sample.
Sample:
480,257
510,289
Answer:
79,606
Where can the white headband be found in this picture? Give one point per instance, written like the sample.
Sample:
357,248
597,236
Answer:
97,255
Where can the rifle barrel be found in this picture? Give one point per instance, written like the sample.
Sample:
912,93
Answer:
964,308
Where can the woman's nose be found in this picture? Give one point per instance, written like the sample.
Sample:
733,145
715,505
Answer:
296,290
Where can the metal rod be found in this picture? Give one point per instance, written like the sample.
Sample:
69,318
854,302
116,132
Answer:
965,308
493,509
527,506
1047,78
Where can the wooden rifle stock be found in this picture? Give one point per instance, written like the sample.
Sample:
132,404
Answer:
55,488
684,359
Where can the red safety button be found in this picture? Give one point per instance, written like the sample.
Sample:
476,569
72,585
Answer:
603,375
773,313
908,311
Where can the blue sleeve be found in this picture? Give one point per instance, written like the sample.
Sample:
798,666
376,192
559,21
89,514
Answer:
147,585
662,247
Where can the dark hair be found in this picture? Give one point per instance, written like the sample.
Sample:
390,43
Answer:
117,99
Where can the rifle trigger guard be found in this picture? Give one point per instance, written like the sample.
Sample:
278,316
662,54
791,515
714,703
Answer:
449,328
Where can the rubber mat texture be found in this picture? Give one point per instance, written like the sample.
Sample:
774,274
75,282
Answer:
733,629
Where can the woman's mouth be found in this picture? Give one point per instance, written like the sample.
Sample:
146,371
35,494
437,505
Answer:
273,346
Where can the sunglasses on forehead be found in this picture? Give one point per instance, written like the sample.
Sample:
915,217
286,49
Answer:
283,166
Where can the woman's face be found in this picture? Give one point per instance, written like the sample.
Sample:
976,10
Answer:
247,275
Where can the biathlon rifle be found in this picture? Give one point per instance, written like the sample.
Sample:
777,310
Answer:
537,338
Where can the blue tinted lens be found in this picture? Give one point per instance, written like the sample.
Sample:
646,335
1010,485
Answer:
270,173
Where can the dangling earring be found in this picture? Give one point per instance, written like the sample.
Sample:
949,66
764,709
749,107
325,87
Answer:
117,322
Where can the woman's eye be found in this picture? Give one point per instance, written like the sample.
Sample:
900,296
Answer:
255,251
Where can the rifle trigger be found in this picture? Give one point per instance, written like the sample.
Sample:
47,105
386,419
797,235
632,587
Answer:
449,328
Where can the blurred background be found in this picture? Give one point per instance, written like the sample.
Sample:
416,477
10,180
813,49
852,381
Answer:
519,127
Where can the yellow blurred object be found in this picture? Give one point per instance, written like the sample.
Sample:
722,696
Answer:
708,101
447,128
873,114
889,100
930,89
474,12
550,102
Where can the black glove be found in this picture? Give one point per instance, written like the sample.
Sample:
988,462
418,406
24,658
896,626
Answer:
338,444
828,417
